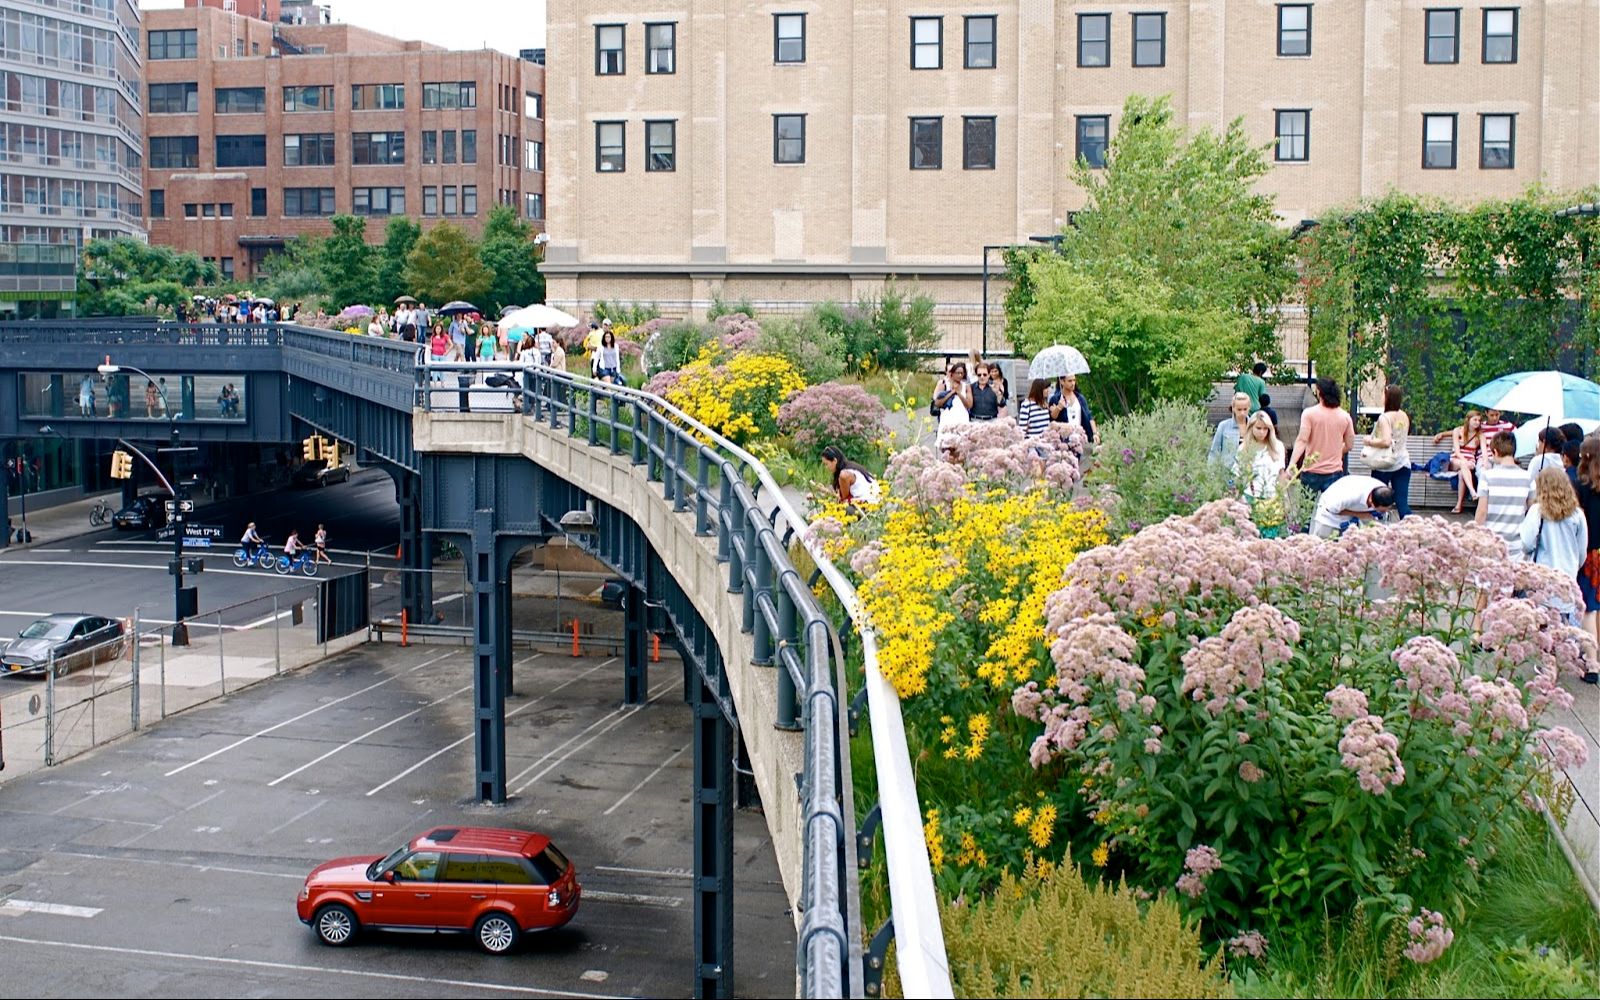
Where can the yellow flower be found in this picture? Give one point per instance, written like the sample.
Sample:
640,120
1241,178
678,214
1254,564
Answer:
1022,817
1043,826
934,839
911,401
1101,855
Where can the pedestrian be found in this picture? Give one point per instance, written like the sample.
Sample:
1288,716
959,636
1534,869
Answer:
607,359
1068,406
1350,498
320,542
1266,406
1548,451
987,403
152,399
1230,432
545,342
1588,494
1571,452
439,343
1555,533
1260,459
1253,383
1493,423
952,404
1572,431
1386,452
1465,443
374,326
1034,415
1504,490
487,346
851,480
1326,436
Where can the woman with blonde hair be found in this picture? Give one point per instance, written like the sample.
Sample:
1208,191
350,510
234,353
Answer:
1465,442
1555,532
1260,458
1230,432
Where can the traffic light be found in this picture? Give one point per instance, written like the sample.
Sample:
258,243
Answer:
330,451
121,465
309,449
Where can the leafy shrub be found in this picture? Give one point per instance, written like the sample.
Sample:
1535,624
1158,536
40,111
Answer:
720,307
737,397
1051,934
672,345
884,332
844,415
1153,465
813,347
629,314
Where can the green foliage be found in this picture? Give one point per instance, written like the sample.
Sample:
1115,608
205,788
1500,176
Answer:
399,238
1153,465
444,266
1171,274
509,251
1446,298
129,277
813,347
675,345
348,265
881,332
721,307
626,313
293,274
1055,935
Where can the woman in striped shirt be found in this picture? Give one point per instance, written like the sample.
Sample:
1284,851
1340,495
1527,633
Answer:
1035,415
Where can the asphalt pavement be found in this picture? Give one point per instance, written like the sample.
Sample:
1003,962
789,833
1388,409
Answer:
167,863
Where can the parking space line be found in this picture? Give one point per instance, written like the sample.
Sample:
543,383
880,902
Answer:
297,817
376,729
616,719
394,977
602,896
259,733
659,872
451,746
663,766
54,909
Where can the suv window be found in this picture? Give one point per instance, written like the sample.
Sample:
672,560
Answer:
510,871
465,868
423,866
550,864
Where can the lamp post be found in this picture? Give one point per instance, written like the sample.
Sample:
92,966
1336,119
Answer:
180,631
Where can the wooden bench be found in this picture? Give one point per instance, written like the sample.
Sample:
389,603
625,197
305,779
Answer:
1425,490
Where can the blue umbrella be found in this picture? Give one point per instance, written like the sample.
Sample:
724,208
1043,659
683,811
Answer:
1552,394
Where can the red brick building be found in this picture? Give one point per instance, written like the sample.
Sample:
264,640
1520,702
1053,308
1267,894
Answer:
259,131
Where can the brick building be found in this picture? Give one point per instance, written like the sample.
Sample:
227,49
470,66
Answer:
260,130
794,152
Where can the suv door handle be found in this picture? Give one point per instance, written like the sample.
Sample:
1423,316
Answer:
424,895
480,895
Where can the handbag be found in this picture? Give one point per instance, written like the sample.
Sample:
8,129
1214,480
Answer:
933,403
1380,459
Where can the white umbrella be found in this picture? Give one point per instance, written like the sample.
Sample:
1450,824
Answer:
1053,362
1552,394
538,317
1528,433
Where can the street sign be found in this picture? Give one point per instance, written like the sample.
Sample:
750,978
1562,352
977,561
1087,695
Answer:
187,506
194,535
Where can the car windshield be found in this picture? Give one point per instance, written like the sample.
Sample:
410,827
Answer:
47,629
393,858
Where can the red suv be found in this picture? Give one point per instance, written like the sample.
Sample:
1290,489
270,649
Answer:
494,884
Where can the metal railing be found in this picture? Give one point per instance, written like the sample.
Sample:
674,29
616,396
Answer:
723,486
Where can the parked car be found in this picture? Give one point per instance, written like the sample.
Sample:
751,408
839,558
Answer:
318,473
494,884
74,641
147,511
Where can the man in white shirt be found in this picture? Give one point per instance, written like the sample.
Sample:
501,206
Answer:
1350,498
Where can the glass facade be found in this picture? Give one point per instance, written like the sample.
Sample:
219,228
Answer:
86,395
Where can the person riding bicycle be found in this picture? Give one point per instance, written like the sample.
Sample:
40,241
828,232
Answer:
293,547
252,541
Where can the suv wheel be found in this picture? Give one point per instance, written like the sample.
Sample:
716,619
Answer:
336,925
497,933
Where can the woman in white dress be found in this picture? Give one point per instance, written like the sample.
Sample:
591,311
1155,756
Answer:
952,402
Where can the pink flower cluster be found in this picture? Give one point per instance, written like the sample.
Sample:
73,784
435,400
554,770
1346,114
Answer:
663,382
1249,773
1429,937
1250,944
1199,864
1500,702
1346,702
1561,747
736,331
924,478
1523,631
832,413
1094,648
864,561
1429,558
1372,753
1428,668
996,453
1255,639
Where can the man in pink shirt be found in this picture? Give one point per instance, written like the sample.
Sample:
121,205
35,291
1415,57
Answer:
1326,436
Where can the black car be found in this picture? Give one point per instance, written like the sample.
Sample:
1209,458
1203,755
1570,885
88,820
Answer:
73,640
146,512
317,473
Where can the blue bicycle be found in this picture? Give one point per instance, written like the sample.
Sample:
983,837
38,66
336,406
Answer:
305,561
260,555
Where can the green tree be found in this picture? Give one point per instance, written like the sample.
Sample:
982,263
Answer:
509,251
348,264
128,277
444,265
294,274
399,239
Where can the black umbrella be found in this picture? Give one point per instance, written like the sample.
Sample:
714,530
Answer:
457,307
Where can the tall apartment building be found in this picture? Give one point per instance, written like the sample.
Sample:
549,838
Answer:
71,143
790,152
259,131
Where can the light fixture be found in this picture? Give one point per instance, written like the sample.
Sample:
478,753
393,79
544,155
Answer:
578,522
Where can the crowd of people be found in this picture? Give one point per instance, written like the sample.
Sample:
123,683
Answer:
232,310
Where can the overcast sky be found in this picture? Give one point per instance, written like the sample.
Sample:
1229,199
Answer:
455,24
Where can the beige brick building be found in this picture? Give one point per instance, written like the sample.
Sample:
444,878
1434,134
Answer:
259,131
789,152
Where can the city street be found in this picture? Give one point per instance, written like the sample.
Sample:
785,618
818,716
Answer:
167,864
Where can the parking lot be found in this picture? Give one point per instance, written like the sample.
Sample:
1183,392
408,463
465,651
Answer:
167,863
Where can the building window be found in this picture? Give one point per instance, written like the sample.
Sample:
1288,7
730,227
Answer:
430,200
610,147
532,105
1093,132
449,96
174,152
258,202
1149,39
927,42
225,210
660,48
308,98
535,154
469,145
469,199
447,146
1094,40
430,146
977,143
788,138
377,97
1294,29
1497,142
158,203
1294,137
314,149
226,265
378,200
179,44
927,143
191,210
980,41
789,38
1438,142
1500,34
378,147
608,41
534,205
241,150
173,99
241,100
1444,37
449,199
307,201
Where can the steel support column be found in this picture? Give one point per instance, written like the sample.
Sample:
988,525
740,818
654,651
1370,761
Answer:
636,648
713,842
491,655
415,557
